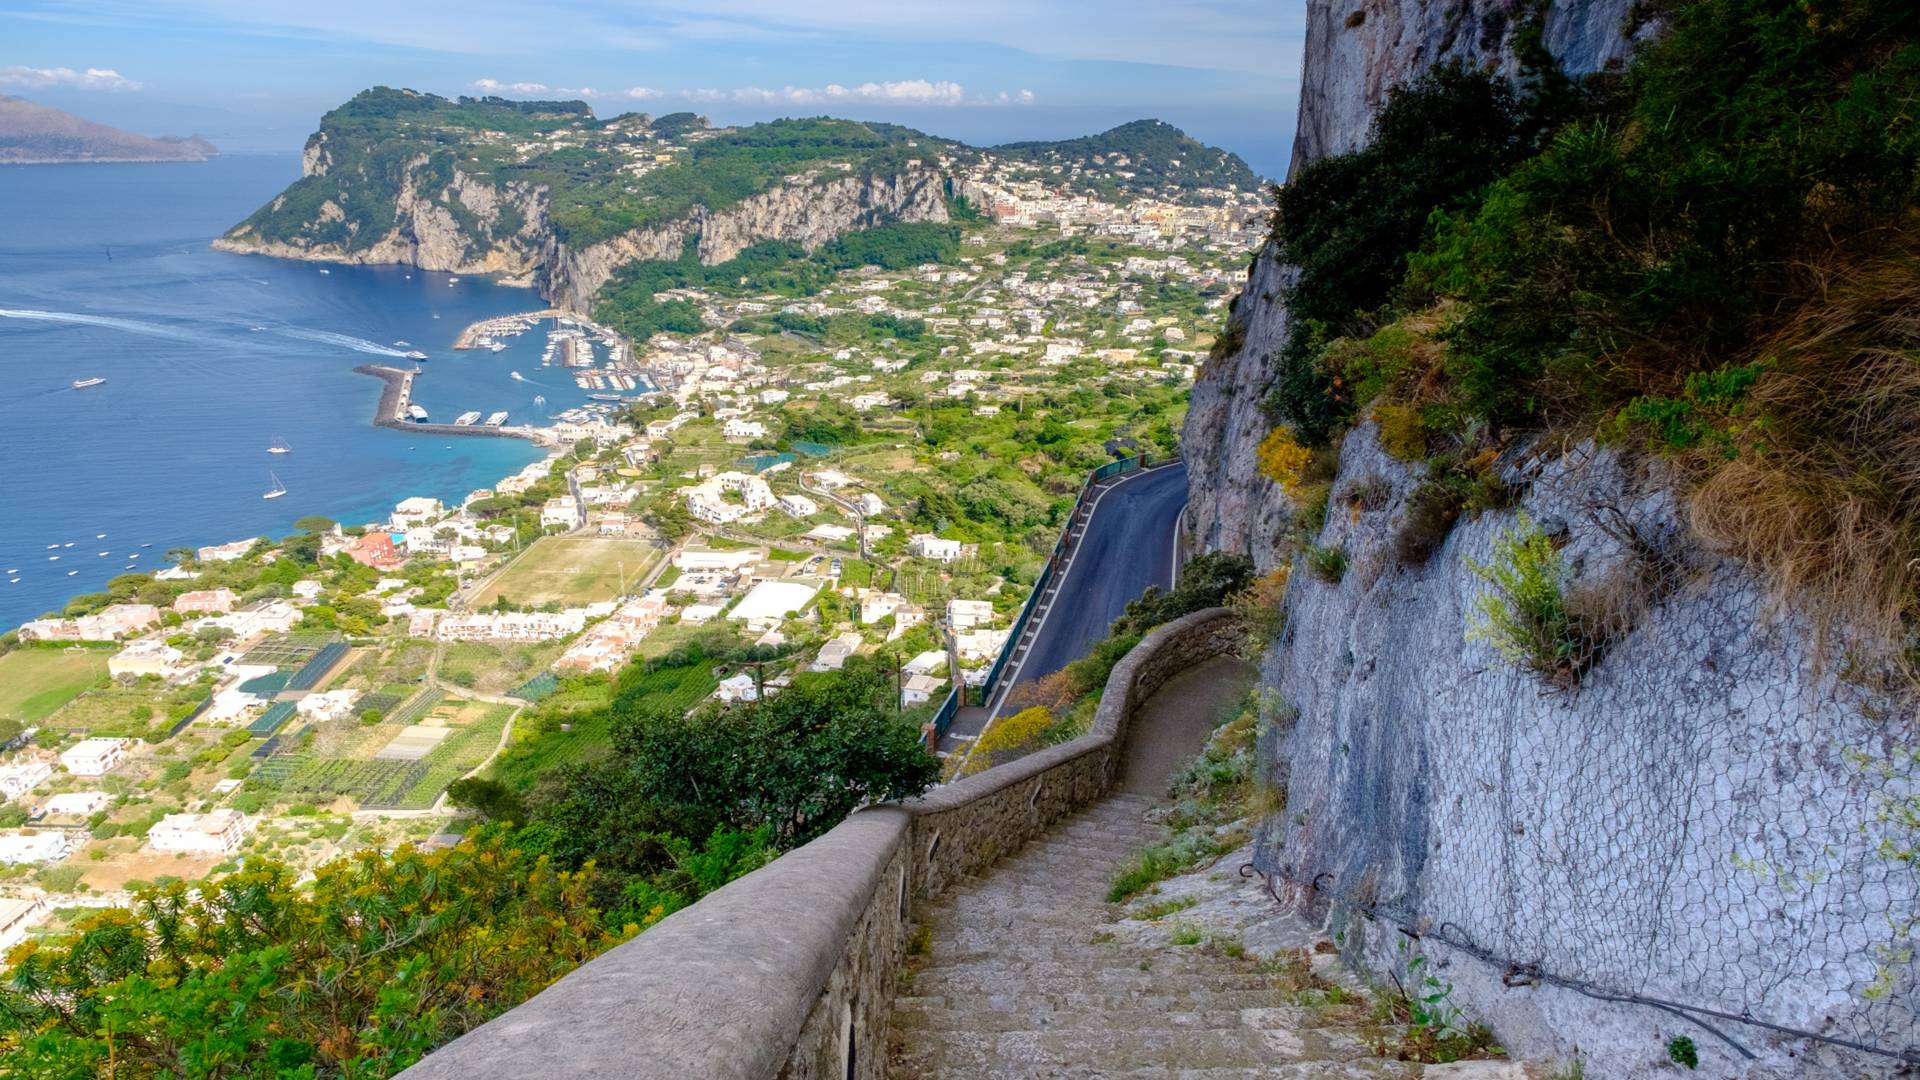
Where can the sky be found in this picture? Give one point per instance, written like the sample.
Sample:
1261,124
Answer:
255,75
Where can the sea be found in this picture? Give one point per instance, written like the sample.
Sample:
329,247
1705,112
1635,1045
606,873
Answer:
210,358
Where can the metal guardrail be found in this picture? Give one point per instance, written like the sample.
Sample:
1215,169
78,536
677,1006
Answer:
950,708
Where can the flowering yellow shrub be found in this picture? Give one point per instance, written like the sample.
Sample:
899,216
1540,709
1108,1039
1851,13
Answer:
1282,459
1017,734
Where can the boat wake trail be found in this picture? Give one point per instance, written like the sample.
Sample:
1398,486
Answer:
107,321
345,341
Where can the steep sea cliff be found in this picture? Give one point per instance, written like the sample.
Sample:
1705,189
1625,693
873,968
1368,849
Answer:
1699,841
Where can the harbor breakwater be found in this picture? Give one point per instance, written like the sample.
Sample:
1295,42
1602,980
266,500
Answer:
396,394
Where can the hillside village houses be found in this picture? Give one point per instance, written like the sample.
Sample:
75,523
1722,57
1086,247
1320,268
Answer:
110,623
928,546
75,804
21,777
217,832
967,614
94,757
205,602
147,657
34,846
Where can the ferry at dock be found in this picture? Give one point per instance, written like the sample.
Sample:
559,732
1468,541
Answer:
416,414
496,419
466,418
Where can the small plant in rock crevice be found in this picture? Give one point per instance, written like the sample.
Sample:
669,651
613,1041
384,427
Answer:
1432,1028
1526,615
1328,563
1682,1051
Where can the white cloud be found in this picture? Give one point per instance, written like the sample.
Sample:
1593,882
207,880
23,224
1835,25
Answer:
902,92
642,93
65,78
495,86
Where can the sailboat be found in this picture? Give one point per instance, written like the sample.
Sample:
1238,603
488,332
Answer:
278,488
279,446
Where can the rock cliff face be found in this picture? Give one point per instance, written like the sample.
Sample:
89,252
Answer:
470,227
806,214
503,230
1713,818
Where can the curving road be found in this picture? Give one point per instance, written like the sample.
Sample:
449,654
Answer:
1125,545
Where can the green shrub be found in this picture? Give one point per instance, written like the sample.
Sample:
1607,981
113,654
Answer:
1682,1051
1329,564
1450,489
1403,431
1526,615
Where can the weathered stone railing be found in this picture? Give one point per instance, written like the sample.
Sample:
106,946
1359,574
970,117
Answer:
788,971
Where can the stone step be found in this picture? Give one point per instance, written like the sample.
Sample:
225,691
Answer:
1106,1051
1275,1017
1082,1001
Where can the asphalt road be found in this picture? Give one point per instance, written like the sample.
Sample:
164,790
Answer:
1126,545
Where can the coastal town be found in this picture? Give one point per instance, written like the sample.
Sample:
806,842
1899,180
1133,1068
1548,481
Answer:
874,467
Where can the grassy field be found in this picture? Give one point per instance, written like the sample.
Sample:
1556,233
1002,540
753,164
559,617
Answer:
572,570
35,682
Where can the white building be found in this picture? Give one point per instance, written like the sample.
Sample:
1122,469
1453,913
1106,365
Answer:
18,780
145,658
743,429
28,846
562,510
216,833
332,705
696,560
19,915
919,689
711,508
928,546
75,804
967,614
798,506
94,757
416,511
833,655
869,503
771,601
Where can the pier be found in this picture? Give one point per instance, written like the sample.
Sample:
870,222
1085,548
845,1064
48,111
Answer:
397,393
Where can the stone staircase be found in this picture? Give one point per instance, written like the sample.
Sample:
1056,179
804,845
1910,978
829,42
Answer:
1029,972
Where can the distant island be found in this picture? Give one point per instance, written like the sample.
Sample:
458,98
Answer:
603,216
35,134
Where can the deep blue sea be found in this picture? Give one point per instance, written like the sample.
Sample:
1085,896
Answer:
208,358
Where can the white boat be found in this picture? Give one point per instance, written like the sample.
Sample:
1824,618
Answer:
277,490
279,446
70,573
416,355
67,544
82,384
99,536
516,375
53,558
324,270
135,555
103,554
53,547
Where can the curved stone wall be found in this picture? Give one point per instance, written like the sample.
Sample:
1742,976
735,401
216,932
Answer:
788,972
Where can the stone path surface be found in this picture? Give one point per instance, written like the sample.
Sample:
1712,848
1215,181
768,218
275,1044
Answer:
1028,972
1022,979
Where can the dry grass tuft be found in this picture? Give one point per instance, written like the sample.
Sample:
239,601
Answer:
1823,489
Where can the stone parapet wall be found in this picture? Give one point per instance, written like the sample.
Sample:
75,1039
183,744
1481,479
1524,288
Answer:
789,970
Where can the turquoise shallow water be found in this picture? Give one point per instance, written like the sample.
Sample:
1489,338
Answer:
105,272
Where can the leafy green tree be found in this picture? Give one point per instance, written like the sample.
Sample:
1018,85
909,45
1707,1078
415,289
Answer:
492,799
383,958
